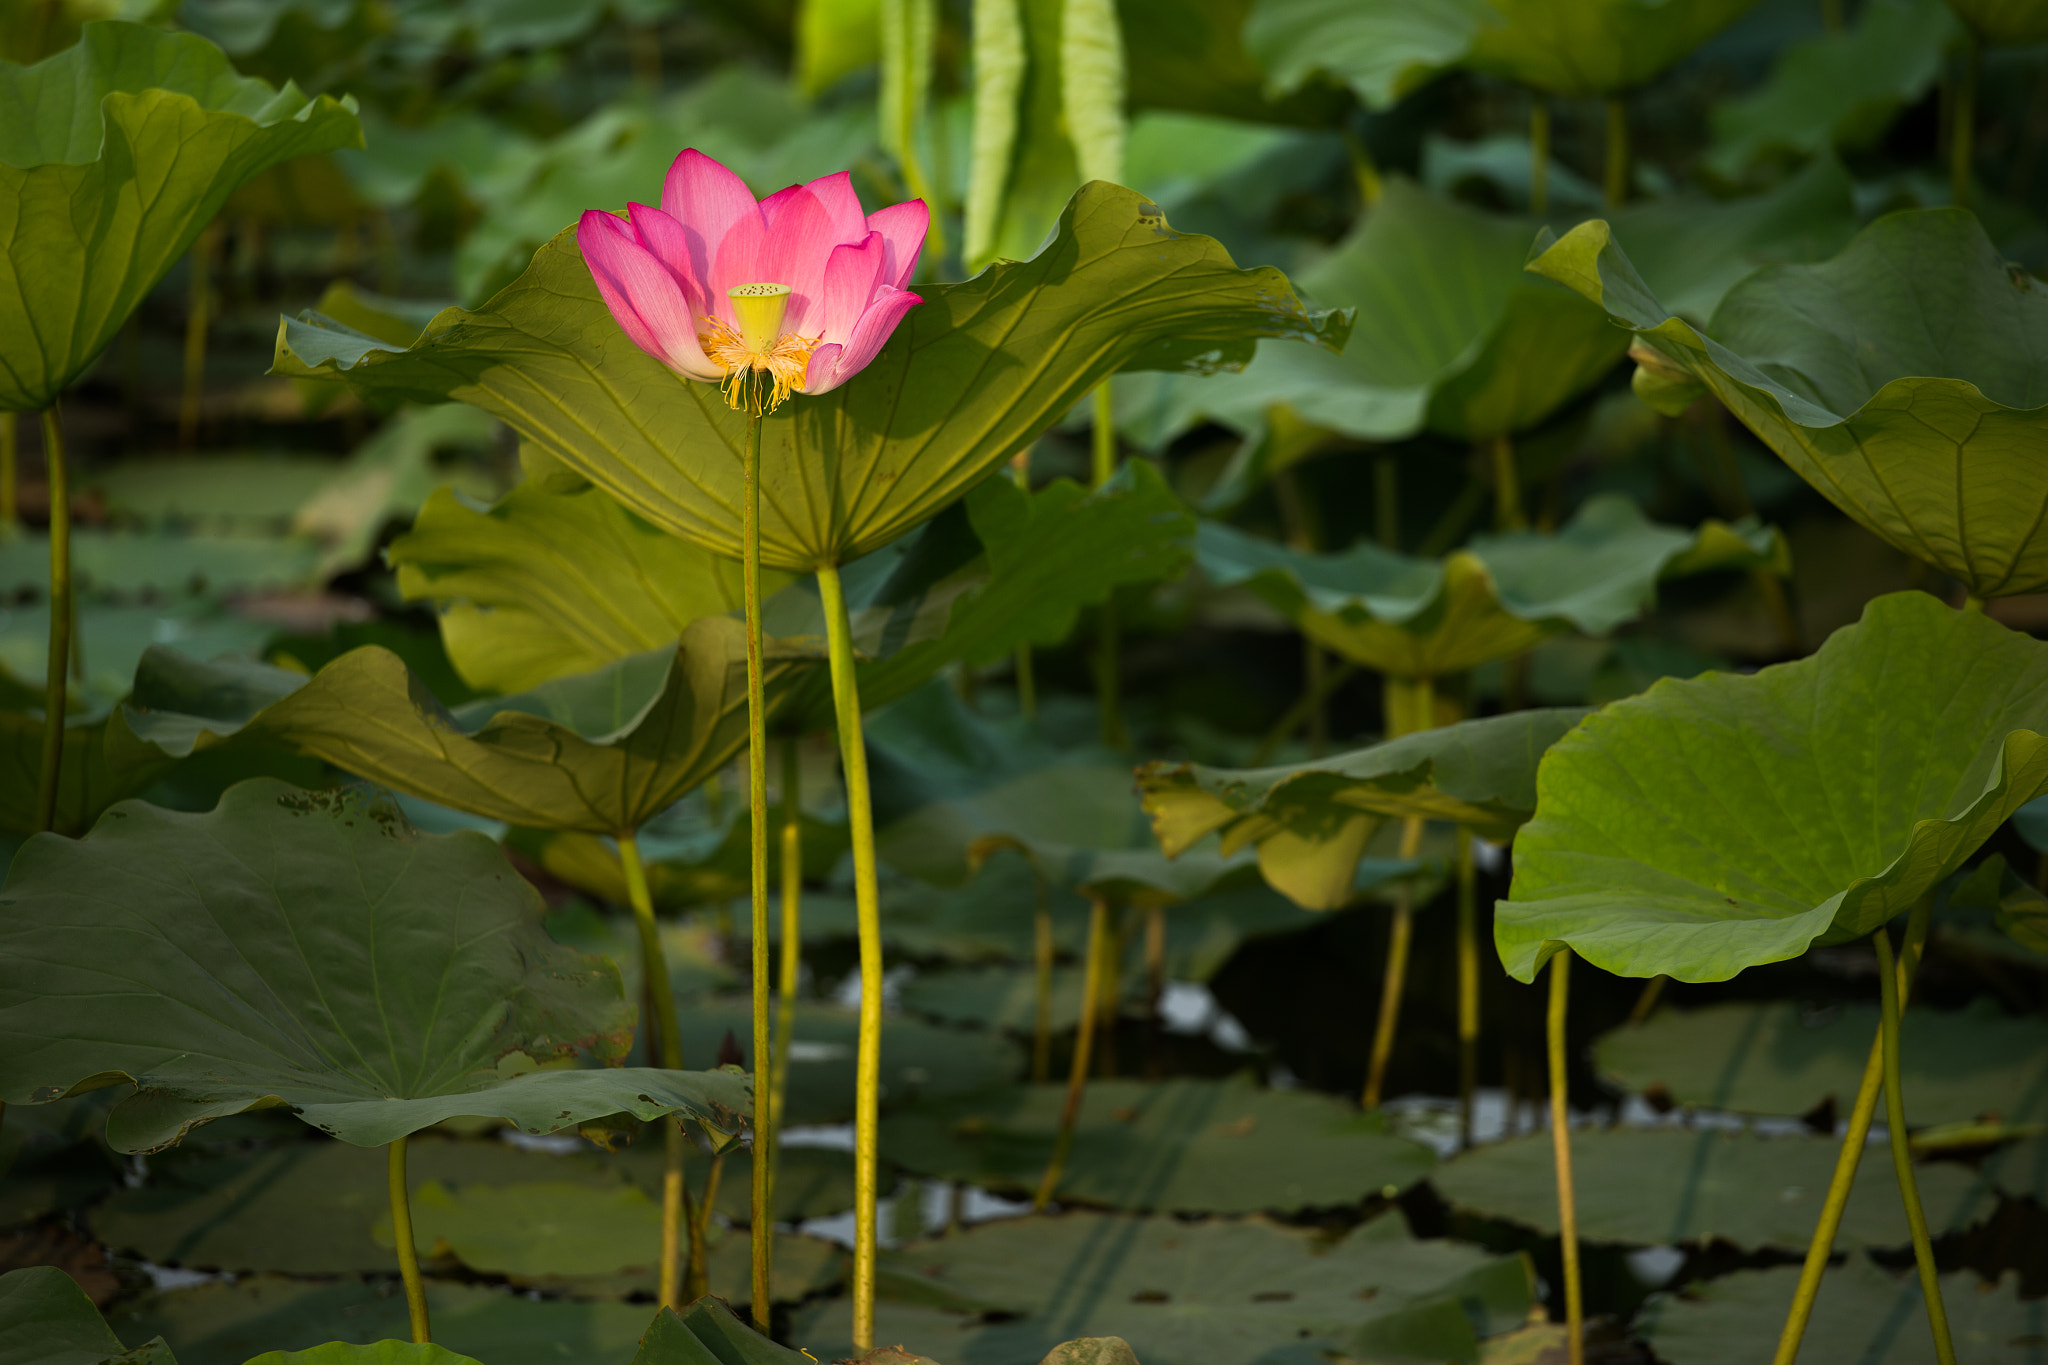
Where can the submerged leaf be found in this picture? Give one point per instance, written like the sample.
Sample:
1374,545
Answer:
1722,822
287,929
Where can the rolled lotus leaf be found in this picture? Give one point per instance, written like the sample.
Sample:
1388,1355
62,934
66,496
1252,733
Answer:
1898,379
309,949
114,155
1722,822
1423,618
975,373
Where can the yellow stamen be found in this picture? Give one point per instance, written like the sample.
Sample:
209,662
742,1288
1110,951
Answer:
758,347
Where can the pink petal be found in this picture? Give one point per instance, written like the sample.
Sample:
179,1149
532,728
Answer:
669,243
797,249
842,206
709,201
642,295
774,204
851,274
737,261
903,227
869,334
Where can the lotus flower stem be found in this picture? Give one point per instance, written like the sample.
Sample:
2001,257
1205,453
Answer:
1084,1045
1399,934
1902,1149
1647,1001
792,943
1539,157
198,314
1963,132
10,464
1041,953
1617,167
1561,1148
762,1221
61,621
853,757
1507,486
401,1231
676,1216
1468,985
1854,1138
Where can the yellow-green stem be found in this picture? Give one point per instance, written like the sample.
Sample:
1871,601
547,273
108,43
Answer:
1507,486
1850,1156
1539,157
1468,985
676,1222
1617,151
1972,602
1962,148
1647,1001
792,941
198,315
868,914
1902,1149
1561,1147
10,465
401,1232
1399,934
1027,680
1041,956
1084,1047
61,621
762,1239
1108,669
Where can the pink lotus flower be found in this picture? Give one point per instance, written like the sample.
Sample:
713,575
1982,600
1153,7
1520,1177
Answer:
801,287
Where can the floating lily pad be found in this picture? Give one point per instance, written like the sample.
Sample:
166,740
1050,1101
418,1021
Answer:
1864,1316
1671,1187
117,154
113,638
2020,1170
227,1323
600,752
1178,1146
46,1319
252,933
162,563
1497,597
1893,378
1311,821
1115,288
1223,1292
1720,822
1956,1066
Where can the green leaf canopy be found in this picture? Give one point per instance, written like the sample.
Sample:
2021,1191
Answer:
1311,821
114,154
975,373
308,949
1898,379
1423,618
1721,822
599,753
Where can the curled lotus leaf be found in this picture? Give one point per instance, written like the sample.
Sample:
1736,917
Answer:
309,949
1722,822
1897,378
975,373
114,155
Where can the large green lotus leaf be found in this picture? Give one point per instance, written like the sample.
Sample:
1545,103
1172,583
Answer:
112,640
2011,22
1674,1186
677,878
162,563
1720,822
1894,378
920,1061
598,753
225,1323
1837,90
1178,1146
311,950
46,1319
99,769
1382,49
1864,1316
114,154
1222,1292
376,1353
975,373
1311,822
1497,597
951,786
1957,1066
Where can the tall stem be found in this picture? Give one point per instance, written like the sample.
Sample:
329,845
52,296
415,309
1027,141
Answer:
853,756
1617,152
61,621
676,1222
1902,1150
1647,1001
1507,486
1027,681
762,1238
10,465
1108,668
1084,1047
401,1231
1041,954
1963,134
1468,985
792,942
1561,1146
1399,935
198,315
1539,157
